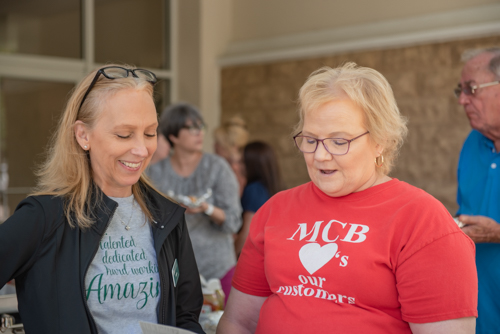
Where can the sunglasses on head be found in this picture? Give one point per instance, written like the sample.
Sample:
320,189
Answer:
118,72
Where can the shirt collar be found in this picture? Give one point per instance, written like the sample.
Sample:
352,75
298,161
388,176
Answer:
488,143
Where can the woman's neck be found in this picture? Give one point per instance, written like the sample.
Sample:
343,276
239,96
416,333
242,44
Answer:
382,178
185,163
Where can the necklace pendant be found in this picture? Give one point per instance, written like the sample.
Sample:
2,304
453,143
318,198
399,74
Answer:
127,227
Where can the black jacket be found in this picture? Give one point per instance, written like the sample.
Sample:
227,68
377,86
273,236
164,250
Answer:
49,260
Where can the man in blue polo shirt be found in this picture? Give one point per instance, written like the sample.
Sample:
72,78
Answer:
479,177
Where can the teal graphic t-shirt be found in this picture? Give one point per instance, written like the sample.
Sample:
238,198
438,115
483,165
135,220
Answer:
122,284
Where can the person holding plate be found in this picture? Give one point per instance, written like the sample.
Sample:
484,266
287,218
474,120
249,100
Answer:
205,184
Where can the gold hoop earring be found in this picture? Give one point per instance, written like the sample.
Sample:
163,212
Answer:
381,162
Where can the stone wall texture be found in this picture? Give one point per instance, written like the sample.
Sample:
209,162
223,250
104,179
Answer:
422,77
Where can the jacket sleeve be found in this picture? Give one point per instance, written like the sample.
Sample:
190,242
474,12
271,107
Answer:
189,295
20,238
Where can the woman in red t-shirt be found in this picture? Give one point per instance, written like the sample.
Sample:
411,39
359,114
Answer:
353,251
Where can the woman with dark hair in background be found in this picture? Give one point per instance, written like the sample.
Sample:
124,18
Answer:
263,181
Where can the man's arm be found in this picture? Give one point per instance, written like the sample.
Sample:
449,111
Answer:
481,228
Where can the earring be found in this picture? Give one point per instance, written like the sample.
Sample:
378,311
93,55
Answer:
85,147
381,162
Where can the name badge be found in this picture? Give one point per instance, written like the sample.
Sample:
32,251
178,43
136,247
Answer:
175,272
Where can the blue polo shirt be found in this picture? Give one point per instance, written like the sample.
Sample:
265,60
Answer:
479,194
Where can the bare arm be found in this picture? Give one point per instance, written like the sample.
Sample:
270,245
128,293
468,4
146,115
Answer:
481,228
455,326
241,314
242,236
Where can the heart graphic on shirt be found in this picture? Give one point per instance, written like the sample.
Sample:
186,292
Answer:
313,256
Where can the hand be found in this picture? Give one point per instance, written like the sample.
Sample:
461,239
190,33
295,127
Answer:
481,228
218,216
199,209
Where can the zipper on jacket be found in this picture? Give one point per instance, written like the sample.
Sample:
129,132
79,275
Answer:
161,311
165,282
85,274
163,300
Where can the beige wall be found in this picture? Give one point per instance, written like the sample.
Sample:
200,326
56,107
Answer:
259,19
188,51
204,33
215,33
422,78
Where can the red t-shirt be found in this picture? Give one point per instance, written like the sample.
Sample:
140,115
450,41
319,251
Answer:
368,262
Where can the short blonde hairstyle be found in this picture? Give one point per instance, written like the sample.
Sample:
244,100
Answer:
67,172
369,90
232,135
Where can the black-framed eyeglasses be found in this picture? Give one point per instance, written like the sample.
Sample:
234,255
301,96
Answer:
117,72
469,89
335,146
194,129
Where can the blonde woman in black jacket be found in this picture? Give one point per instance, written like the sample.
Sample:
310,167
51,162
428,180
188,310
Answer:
97,249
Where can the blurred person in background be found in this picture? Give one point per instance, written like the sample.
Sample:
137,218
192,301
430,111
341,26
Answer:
97,249
205,184
230,139
354,250
163,146
162,149
263,181
478,174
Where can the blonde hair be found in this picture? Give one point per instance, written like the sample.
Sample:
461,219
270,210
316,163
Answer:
232,135
369,90
67,172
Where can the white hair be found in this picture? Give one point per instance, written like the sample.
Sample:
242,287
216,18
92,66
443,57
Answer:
493,65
